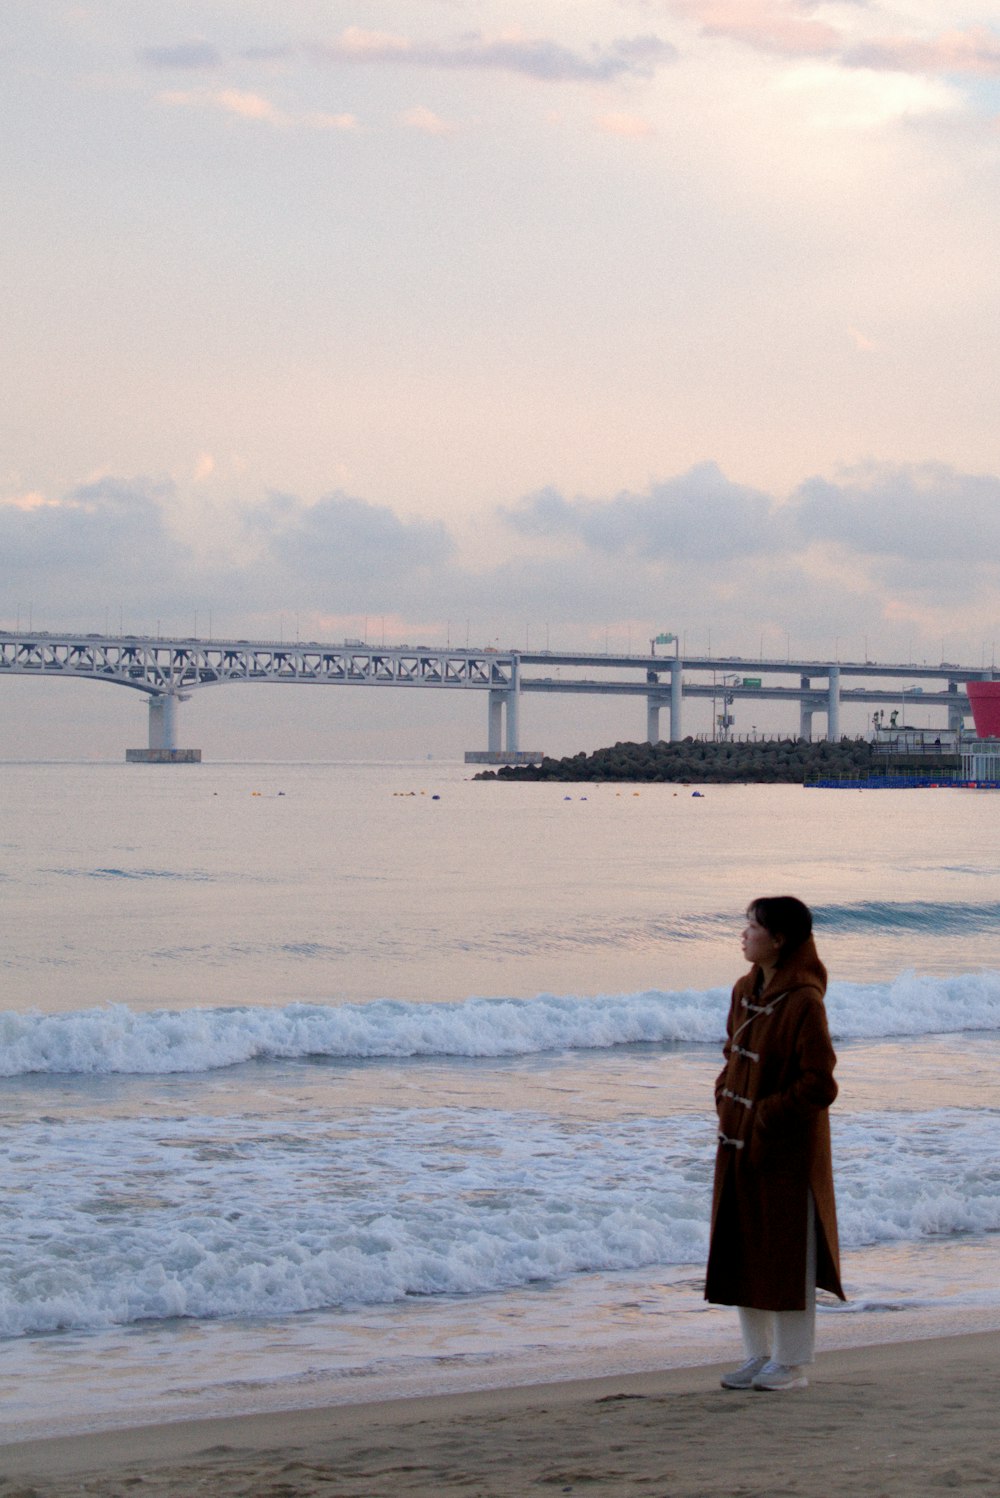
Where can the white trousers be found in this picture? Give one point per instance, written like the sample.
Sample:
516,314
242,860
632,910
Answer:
786,1336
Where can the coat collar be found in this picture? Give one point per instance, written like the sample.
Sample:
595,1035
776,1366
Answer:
802,969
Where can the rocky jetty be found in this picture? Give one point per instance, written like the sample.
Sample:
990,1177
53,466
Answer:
696,761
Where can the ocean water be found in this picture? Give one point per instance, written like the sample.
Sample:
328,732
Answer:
331,1082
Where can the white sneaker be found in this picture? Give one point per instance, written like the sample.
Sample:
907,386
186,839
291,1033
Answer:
743,1376
779,1376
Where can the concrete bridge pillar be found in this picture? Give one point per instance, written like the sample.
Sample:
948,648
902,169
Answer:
504,703
676,730
653,704
495,720
805,713
513,697
163,734
163,721
833,706
956,713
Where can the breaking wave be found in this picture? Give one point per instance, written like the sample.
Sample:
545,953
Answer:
117,1039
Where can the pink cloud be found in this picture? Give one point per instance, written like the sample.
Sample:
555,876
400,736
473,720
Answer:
628,125
230,100
322,121
421,118
32,500
861,341
781,26
357,43
973,52
248,106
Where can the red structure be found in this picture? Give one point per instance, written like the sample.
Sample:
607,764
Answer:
984,699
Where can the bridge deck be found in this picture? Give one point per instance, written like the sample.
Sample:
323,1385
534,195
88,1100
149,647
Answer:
169,670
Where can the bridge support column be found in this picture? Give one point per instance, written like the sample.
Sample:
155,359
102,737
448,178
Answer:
163,721
513,697
505,704
956,717
163,748
495,720
833,706
805,713
503,701
653,704
676,731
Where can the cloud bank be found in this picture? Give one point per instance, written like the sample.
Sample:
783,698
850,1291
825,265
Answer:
875,547
541,58
182,56
794,29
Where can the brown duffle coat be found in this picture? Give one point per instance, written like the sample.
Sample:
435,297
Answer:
772,1098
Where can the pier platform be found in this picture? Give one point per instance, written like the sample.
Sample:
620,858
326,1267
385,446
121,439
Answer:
163,756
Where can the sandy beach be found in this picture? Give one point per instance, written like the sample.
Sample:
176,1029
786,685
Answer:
914,1417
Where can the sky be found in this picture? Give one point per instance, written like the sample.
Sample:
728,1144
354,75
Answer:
520,322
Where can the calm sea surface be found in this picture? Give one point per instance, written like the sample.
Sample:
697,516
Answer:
328,1082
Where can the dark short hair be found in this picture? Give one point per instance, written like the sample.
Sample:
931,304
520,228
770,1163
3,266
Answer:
785,918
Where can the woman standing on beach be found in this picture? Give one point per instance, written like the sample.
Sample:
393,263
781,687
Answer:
774,1220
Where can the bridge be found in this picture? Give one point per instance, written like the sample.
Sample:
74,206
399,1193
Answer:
167,671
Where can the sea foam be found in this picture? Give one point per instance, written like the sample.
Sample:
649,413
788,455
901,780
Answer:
119,1039
126,1221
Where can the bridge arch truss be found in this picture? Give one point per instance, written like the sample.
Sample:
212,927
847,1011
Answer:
167,671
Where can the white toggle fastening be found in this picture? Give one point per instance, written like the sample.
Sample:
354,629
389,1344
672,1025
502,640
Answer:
746,1101
757,1009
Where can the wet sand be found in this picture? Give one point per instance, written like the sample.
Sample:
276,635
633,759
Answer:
907,1418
